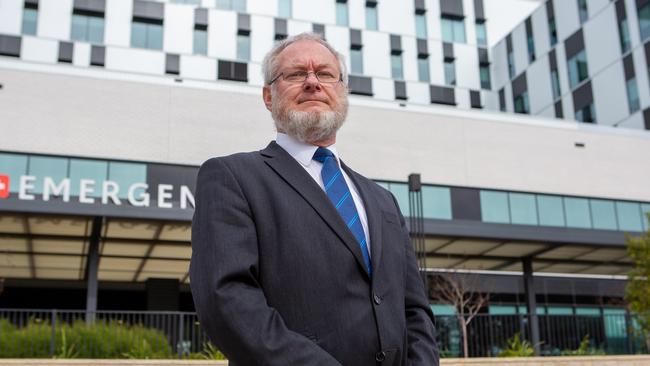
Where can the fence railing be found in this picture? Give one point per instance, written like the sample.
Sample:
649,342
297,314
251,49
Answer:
120,334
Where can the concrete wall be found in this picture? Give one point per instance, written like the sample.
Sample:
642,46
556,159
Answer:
95,113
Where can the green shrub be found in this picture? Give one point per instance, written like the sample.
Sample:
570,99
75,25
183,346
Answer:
583,349
517,348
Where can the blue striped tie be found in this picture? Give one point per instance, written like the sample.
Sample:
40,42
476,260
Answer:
339,193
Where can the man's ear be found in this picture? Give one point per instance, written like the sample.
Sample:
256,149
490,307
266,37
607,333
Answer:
266,95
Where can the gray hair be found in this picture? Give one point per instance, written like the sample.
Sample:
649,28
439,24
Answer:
270,63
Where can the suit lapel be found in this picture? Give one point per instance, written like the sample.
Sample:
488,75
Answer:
373,213
296,176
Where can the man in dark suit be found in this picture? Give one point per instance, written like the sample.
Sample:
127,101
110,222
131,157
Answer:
296,258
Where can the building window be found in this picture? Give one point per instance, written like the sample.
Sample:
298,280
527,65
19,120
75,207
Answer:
356,61
552,31
147,33
450,72
236,5
453,30
421,26
342,12
30,18
87,26
530,41
582,10
502,100
284,8
481,33
577,68
521,103
423,69
632,95
511,64
555,84
586,114
371,16
396,66
200,39
243,47
624,35
644,21
484,73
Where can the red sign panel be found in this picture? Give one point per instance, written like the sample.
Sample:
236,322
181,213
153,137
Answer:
4,186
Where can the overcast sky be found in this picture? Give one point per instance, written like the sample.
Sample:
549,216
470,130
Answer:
503,15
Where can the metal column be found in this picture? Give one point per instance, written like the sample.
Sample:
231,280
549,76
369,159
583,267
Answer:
92,267
416,225
531,304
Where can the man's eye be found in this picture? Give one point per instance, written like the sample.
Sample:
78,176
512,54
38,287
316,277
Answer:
298,75
325,75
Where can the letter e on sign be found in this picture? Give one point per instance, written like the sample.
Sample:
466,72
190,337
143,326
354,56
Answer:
4,186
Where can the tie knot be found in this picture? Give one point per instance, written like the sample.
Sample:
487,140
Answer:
322,154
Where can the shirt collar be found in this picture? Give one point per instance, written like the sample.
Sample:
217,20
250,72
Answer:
301,151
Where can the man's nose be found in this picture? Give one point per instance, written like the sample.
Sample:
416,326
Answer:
311,83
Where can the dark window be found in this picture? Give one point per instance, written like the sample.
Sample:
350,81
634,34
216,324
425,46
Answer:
65,52
172,64
583,104
510,57
236,71
10,45
400,90
552,27
442,95
530,41
644,20
318,29
521,103
484,73
97,55
623,26
281,29
475,99
558,109
502,100
360,85
586,114
582,10
646,118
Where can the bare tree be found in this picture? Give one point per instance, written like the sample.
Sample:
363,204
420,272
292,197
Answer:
460,290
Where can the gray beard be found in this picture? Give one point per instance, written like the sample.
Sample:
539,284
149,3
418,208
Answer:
308,127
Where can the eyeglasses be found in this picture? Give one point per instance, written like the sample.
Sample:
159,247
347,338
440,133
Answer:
300,77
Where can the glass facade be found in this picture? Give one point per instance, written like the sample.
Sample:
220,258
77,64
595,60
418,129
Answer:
583,13
450,72
577,69
481,34
628,214
30,19
356,61
87,28
45,166
87,169
342,13
552,31
421,26
145,34
624,35
13,165
397,71
372,22
243,47
453,30
522,209
423,70
284,8
236,5
436,202
644,21
550,210
555,84
484,74
200,46
577,212
632,95
530,42
603,213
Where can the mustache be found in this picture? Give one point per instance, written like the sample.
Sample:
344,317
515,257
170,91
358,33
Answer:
310,99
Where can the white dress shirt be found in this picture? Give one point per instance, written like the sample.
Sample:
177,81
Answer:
303,153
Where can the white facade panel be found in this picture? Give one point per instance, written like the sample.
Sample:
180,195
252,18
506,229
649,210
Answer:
135,60
563,74
638,55
595,6
54,19
255,76
568,111
436,62
262,37
376,54
198,67
520,48
222,34
296,27
632,22
357,12
81,54
538,78
499,65
601,41
540,31
566,18
462,98
117,30
610,97
548,112
418,92
339,38
178,28
383,88
316,11
410,58
467,75
507,92
11,16
397,17
433,19
490,100
634,121
470,25
264,7
39,49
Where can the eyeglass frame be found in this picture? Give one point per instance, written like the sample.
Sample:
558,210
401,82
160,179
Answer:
307,76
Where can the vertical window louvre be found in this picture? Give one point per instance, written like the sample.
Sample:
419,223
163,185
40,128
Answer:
341,12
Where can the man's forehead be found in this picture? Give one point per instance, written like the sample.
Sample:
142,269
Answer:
306,52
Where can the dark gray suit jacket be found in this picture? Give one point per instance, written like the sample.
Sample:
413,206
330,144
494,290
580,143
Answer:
278,278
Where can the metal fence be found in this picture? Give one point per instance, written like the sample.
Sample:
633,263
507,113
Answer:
118,334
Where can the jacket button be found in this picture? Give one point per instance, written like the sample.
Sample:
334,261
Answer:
376,298
380,356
